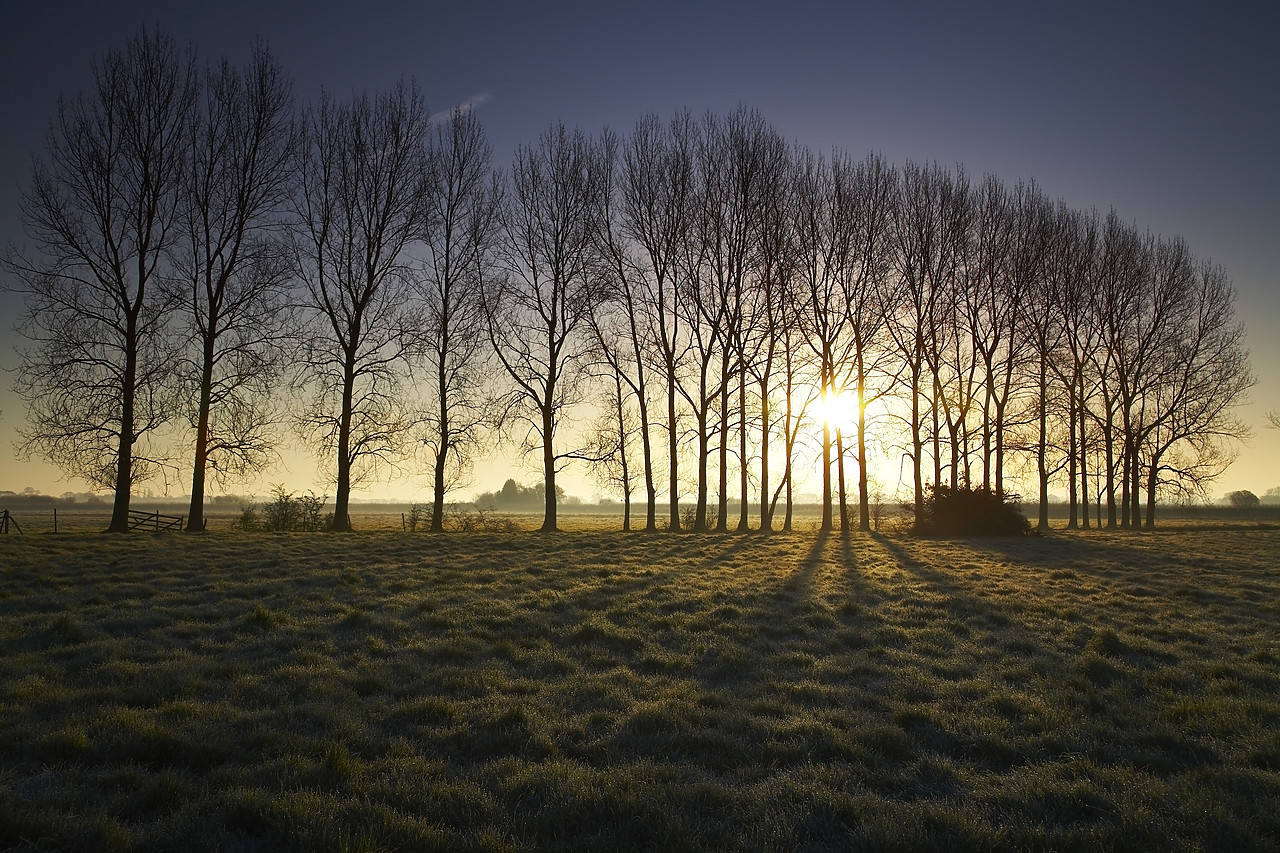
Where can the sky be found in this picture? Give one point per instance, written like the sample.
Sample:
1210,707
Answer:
1168,112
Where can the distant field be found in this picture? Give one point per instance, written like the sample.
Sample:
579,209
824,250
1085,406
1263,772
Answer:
370,517
594,690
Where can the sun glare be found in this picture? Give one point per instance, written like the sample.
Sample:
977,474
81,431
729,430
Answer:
840,410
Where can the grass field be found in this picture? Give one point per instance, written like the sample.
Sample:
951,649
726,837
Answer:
593,690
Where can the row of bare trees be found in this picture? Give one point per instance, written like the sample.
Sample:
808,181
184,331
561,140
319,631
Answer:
209,255
213,256
743,280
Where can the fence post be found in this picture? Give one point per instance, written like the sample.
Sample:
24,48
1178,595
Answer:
55,519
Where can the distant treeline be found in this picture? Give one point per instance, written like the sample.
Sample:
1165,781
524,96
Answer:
513,496
33,499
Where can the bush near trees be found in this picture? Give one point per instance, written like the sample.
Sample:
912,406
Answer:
287,513
966,511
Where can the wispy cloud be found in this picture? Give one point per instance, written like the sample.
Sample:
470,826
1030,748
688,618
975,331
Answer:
466,106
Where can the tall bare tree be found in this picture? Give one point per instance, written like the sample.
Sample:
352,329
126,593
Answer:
628,345
1074,261
1190,410
101,208
232,264
657,187
773,316
737,156
537,313
458,235
823,236
869,185
924,256
361,205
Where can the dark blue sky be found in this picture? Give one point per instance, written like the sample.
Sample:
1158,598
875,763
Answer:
1169,112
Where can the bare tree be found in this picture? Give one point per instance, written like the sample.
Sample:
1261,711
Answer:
1073,261
1038,319
657,186
101,209
628,345
360,206
822,237
537,314
1120,271
923,252
736,156
1204,377
773,317
232,265
869,186
615,429
458,235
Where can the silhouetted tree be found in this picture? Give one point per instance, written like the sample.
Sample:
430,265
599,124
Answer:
101,208
1120,271
1039,322
736,157
870,184
1073,262
232,264
656,188
1189,412
361,205
622,328
537,312
823,237
459,229
611,443
772,320
924,246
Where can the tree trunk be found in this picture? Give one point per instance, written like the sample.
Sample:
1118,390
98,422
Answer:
549,522
1042,447
342,491
1082,448
124,456
673,449
743,495
844,502
1153,481
442,448
722,496
766,509
195,513
864,491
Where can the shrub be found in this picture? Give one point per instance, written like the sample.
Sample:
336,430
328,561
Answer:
248,520
965,511
483,519
282,512
310,507
419,513
289,512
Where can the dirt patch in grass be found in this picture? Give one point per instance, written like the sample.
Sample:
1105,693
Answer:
591,689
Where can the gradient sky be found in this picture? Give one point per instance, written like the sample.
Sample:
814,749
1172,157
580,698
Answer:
1169,112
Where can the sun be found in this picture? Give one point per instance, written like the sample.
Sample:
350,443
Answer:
839,410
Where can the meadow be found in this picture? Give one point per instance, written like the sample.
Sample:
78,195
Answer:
596,690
